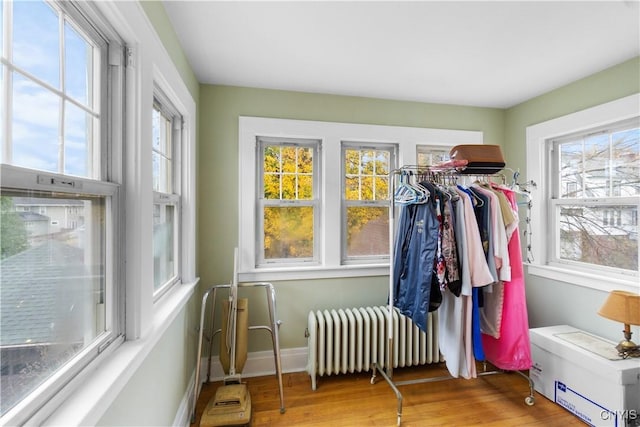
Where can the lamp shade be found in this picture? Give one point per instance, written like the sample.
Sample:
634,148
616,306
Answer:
622,306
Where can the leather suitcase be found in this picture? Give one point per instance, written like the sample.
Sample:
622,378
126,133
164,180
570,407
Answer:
481,158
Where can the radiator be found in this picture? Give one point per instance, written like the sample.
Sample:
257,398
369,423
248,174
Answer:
350,340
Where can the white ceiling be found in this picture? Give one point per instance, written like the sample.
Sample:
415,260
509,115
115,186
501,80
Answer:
481,53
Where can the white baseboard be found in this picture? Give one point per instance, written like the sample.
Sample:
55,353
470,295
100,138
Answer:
259,363
183,415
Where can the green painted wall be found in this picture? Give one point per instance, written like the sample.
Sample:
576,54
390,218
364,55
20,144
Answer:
220,108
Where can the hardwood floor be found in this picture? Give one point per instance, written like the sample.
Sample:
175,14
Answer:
351,400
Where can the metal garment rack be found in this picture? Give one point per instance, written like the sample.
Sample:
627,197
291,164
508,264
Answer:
388,373
272,329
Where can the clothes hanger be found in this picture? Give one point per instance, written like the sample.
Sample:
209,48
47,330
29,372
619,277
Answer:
409,193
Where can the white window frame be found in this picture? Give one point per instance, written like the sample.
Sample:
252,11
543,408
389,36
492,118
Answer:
392,149
101,182
171,197
538,171
331,134
314,202
86,397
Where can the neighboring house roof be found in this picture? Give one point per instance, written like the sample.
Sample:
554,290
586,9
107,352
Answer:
32,216
43,296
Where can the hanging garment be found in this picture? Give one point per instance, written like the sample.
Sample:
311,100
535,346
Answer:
475,258
413,263
483,217
449,250
491,310
498,233
452,326
478,350
463,208
512,351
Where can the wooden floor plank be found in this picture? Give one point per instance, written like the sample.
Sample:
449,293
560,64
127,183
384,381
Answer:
351,400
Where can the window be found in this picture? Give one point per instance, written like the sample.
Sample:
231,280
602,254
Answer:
597,175
431,155
587,170
314,195
167,130
365,211
288,201
59,297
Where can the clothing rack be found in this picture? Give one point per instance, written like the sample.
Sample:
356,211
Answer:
453,174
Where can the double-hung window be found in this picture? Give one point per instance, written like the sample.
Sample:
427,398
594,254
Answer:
166,133
288,201
365,203
586,167
60,300
428,155
596,186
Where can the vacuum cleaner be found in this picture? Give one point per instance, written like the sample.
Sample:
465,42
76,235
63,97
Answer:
231,404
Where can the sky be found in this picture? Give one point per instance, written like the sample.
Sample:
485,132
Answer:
39,121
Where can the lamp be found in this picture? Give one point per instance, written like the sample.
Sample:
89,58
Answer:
623,307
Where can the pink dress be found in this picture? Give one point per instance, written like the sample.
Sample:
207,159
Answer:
512,351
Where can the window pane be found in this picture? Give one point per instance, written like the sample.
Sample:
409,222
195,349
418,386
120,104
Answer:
78,128
288,173
352,162
271,159
571,182
626,162
52,286
78,63
271,184
305,187
36,41
161,133
352,188
161,156
289,187
368,231
382,188
596,166
288,232
163,253
289,159
366,188
161,173
35,127
601,165
366,174
601,235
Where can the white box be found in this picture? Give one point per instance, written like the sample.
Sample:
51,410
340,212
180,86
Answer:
599,391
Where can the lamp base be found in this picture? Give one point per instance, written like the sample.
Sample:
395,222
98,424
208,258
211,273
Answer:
627,348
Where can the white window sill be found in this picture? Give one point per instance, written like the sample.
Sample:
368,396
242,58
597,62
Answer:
315,272
584,279
101,383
